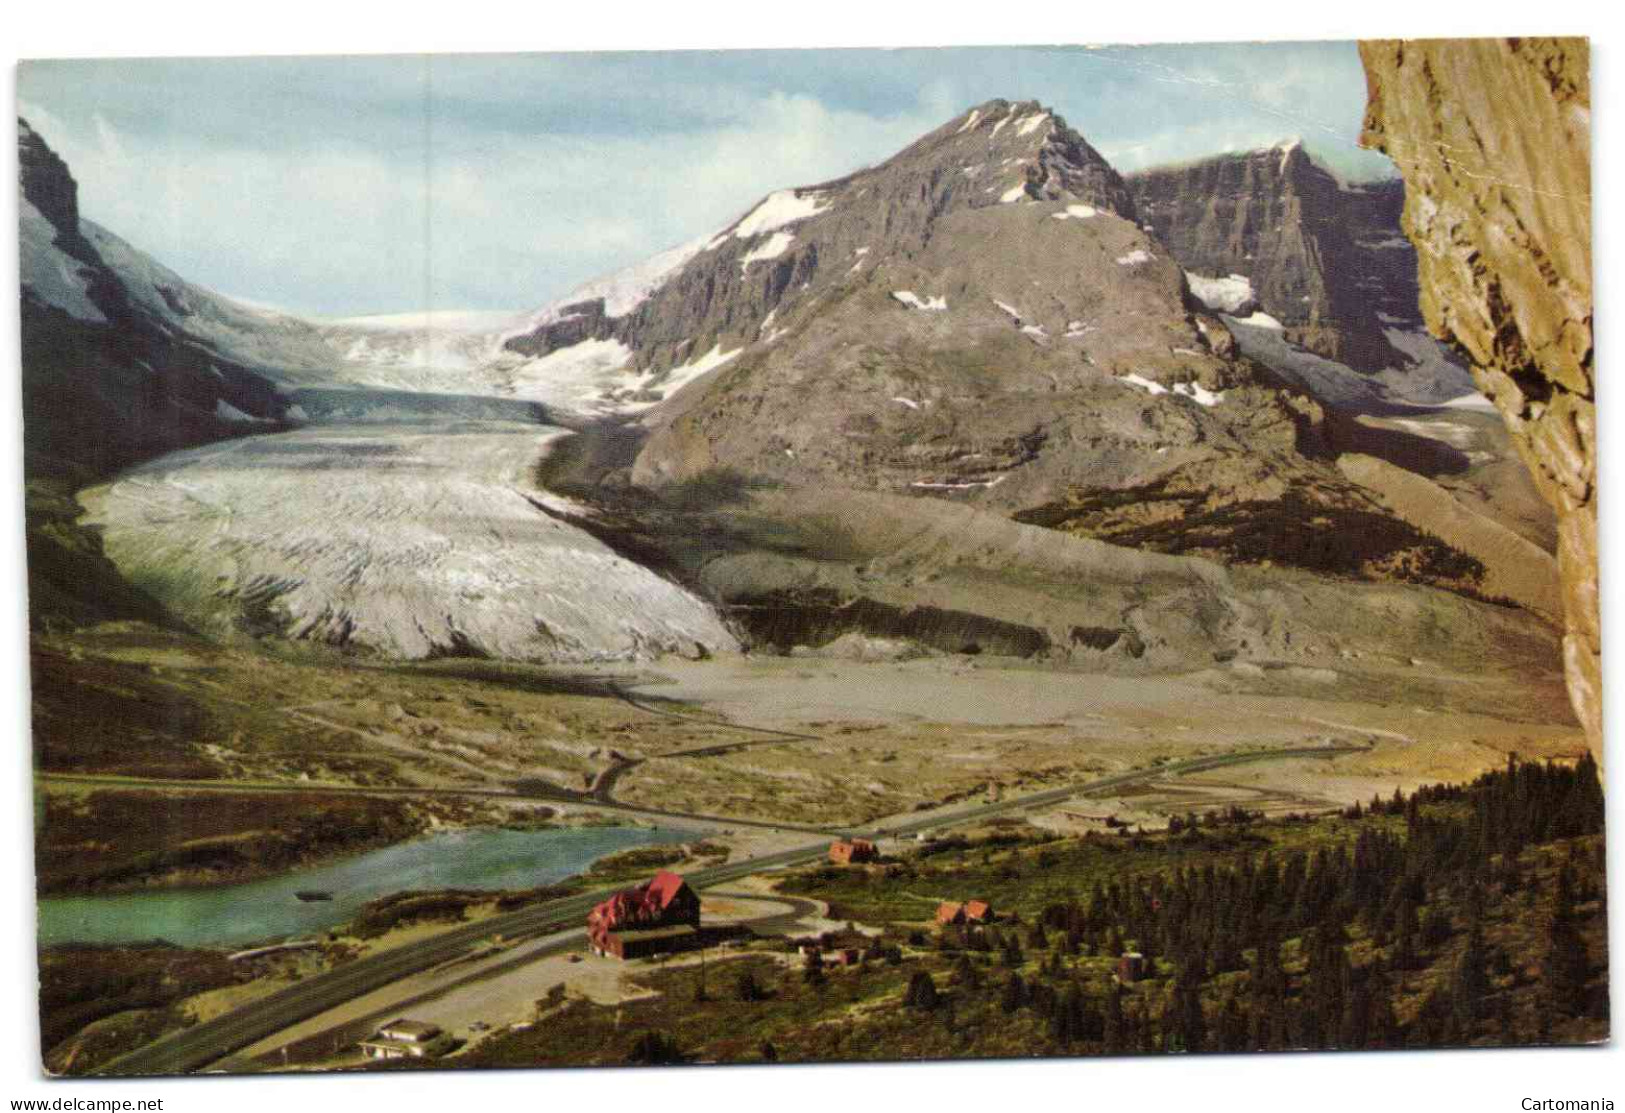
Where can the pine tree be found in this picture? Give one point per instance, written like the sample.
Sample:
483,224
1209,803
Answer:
1232,1027
1116,1032
965,973
1014,995
1185,1015
748,988
1406,931
1066,1022
1566,965
922,992
1471,983
653,1049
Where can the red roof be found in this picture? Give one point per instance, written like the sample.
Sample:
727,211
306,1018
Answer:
664,887
977,909
645,905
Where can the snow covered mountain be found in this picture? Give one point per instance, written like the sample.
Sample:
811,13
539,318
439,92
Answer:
686,313
122,358
279,345
982,334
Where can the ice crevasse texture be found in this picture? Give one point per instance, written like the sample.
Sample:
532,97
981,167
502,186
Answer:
398,546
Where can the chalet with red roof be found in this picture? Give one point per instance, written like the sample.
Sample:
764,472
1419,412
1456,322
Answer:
660,915
965,912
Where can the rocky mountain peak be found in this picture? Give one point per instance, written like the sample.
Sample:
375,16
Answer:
800,246
1026,141
46,181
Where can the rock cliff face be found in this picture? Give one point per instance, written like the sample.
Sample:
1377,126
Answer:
1492,137
46,182
1322,258
113,369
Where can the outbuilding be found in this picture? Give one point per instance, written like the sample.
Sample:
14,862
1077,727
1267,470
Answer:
407,1039
1130,968
848,851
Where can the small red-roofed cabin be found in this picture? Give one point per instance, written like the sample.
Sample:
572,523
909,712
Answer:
978,912
950,912
848,851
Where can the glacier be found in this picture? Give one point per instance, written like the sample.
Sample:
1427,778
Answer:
412,541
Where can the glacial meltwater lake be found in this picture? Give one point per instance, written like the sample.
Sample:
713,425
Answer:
258,911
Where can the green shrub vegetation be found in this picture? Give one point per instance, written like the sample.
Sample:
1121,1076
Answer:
1456,916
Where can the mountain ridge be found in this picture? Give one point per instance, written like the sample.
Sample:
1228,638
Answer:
1294,229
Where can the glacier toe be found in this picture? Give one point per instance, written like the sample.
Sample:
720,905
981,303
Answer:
410,540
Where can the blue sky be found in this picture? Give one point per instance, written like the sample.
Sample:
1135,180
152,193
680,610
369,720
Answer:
346,185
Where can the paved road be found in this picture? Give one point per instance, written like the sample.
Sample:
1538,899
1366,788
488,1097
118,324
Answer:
202,1044
314,788
344,1034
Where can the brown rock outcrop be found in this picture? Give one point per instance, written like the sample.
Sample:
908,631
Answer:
1492,137
1321,255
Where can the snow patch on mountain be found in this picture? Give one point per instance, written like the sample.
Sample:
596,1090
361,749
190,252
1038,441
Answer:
49,273
679,377
1258,319
225,411
1199,394
787,206
1077,212
774,246
914,301
1229,294
575,378
623,290
1430,379
1145,384
1472,401
1032,123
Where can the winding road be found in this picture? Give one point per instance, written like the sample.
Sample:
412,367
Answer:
196,1047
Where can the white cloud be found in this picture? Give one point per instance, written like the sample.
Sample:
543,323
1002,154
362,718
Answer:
591,204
